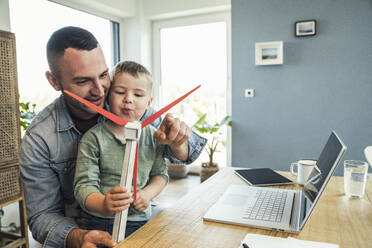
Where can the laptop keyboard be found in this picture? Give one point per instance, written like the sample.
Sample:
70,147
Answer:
269,206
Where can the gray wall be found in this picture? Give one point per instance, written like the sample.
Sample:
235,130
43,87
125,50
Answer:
324,84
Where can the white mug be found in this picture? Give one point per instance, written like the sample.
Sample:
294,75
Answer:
304,169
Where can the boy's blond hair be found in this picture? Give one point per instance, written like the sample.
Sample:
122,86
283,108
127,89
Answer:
132,68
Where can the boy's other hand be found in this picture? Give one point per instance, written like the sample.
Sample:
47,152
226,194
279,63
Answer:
117,200
142,201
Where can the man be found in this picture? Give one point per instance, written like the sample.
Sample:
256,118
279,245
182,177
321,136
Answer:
49,147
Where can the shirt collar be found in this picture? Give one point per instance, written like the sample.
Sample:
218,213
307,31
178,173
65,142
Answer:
145,115
64,121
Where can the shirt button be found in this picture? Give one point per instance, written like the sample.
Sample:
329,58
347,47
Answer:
65,169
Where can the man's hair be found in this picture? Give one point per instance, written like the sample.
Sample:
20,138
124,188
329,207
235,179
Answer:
68,37
132,68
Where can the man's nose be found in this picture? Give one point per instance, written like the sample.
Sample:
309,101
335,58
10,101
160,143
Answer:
98,89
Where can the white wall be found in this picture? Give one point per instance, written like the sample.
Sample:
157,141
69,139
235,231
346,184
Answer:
135,41
136,38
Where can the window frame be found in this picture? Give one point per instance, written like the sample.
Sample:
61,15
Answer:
114,20
157,25
115,49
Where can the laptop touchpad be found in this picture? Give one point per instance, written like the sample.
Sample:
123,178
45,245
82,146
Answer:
235,199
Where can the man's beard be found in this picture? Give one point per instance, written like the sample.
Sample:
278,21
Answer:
75,104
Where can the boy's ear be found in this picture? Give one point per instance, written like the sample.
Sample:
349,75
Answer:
52,80
149,103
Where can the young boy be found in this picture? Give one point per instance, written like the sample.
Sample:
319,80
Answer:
101,153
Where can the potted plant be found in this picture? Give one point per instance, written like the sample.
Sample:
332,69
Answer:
177,171
202,126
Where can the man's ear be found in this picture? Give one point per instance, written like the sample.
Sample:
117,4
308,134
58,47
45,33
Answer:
52,80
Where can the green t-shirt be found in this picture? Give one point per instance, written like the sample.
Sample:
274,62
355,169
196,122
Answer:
100,160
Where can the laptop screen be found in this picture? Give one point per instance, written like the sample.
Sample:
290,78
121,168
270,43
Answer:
326,163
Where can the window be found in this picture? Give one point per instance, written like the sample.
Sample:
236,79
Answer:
33,22
189,52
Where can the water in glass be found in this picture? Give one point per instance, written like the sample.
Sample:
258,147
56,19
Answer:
355,176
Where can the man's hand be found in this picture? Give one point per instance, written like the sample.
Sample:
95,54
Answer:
88,239
174,133
116,200
142,201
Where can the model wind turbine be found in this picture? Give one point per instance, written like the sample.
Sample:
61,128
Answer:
132,132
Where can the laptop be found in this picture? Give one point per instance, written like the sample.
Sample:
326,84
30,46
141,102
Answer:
278,209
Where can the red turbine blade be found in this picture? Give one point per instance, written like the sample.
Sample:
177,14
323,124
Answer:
135,173
153,117
103,112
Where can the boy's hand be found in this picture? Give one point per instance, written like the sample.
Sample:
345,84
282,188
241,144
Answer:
117,200
175,133
142,201
172,131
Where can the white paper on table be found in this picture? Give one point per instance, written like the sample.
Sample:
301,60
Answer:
263,241
311,244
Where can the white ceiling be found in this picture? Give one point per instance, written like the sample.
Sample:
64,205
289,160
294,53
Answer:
151,9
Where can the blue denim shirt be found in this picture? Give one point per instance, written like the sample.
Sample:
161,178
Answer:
47,165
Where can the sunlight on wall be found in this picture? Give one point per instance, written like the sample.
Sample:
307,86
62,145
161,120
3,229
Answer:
33,22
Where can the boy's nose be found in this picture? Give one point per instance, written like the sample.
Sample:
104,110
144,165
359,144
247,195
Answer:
128,98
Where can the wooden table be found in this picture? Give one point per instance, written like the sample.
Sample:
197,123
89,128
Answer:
336,219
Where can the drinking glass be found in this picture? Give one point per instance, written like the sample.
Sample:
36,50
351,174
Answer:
355,177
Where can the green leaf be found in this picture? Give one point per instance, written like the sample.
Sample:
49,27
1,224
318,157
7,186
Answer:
22,105
226,120
26,114
201,120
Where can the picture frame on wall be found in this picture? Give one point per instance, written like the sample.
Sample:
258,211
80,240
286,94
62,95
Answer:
305,28
269,53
